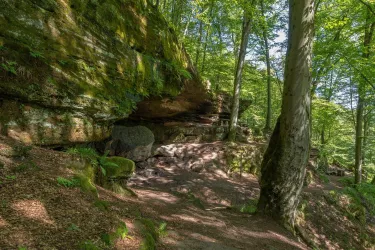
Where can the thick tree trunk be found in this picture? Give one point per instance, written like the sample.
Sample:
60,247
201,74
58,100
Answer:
238,77
267,127
284,163
369,30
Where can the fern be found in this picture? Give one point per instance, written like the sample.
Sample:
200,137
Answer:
67,183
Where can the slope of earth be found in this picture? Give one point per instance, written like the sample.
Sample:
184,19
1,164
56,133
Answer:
37,213
332,221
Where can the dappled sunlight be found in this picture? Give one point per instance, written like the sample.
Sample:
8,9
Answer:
3,223
33,209
153,196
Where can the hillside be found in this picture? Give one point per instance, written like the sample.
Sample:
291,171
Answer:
200,208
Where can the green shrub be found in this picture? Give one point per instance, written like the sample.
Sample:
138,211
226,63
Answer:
67,183
347,181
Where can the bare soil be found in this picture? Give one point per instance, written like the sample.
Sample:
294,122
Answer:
198,207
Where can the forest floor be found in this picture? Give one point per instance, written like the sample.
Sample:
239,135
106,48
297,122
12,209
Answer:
202,210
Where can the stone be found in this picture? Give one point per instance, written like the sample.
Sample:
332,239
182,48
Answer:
166,151
122,167
74,69
134,143
197,167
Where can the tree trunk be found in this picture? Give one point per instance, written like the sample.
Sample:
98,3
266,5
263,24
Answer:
199,43
284,163
208,33
369,30
267,127
246,26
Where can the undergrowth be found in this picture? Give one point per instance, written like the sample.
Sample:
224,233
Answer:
151,231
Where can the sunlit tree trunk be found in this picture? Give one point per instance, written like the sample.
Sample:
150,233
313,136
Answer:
369,30
199,41
284,163
208,34
246,26
267,127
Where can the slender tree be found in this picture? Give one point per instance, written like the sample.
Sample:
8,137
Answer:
246,27
267,127
284,163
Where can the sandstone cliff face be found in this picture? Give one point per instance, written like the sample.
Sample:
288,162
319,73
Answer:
70,68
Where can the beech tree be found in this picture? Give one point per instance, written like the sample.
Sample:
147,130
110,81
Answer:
246,27
284,163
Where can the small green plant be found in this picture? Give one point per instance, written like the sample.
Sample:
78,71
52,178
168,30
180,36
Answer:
120,233
102,205
4,204
163,229
36,54
67,183
84,153
63,62
11,177
22,248
151,232
347,181
22,150
324,178
73,227
88,245
26,165
249,208
10,66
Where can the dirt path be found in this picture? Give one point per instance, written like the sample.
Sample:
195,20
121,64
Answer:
37,213
194,206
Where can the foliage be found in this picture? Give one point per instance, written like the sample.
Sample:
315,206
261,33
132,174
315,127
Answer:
73,227
250,207
120,233
151,232
29,165
88,245
102,205
68,183
10,66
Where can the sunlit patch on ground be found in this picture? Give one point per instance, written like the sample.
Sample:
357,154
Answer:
33,209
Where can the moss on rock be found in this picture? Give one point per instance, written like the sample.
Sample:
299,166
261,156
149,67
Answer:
119,167
86,59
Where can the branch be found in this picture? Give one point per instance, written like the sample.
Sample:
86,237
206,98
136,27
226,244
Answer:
368,6
360,72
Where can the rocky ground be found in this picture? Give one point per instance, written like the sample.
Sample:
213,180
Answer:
196,200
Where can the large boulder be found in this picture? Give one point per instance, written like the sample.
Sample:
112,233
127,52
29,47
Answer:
134,143
70,69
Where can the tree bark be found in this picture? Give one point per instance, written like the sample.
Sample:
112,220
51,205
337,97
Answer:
267,127
369,30
208,33
284,163
199,43
246,27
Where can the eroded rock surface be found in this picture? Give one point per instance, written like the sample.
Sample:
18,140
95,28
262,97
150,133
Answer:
70,69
